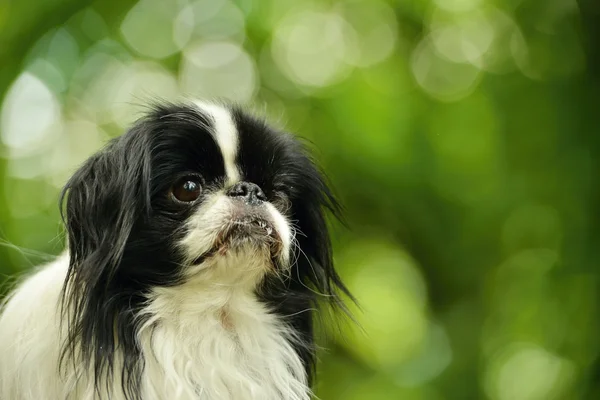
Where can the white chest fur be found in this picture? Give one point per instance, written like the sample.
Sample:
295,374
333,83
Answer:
217,344
200,342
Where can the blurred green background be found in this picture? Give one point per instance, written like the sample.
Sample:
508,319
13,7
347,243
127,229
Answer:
461,135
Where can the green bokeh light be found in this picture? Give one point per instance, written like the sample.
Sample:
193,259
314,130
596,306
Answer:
460,135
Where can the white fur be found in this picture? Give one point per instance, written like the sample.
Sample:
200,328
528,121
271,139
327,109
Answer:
216,341
203,340
226,135
29,335
282,226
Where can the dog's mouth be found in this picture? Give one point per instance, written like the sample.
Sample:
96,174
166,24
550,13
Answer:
252,232
248,227
252,225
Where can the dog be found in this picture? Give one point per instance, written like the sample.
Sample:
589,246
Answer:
197,253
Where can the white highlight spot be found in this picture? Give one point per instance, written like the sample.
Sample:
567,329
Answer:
312,47
442,79
30,116
527,371
226,136
218,69
155,28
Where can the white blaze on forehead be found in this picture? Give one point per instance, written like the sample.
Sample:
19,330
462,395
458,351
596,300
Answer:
226,135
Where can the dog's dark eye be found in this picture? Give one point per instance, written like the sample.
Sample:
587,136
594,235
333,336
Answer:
187,189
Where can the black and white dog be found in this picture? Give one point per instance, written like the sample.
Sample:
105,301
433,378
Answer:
197,250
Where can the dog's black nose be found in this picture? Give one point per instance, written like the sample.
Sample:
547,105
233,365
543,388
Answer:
249,192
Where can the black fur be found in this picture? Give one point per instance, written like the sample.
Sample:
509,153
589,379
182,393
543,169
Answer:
122,229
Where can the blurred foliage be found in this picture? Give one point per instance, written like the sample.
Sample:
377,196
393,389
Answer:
461,135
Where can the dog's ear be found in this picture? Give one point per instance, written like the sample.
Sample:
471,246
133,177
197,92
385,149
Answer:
314,279
315,263
100,205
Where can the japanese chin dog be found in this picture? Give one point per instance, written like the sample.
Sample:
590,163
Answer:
197,252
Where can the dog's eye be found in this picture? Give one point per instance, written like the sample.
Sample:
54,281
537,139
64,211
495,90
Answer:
187,189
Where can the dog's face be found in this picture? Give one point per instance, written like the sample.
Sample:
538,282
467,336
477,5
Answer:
198,191
222,187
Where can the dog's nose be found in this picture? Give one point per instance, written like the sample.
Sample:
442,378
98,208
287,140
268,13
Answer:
249,192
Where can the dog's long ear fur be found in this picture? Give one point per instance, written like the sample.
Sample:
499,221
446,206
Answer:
314,279
100,206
